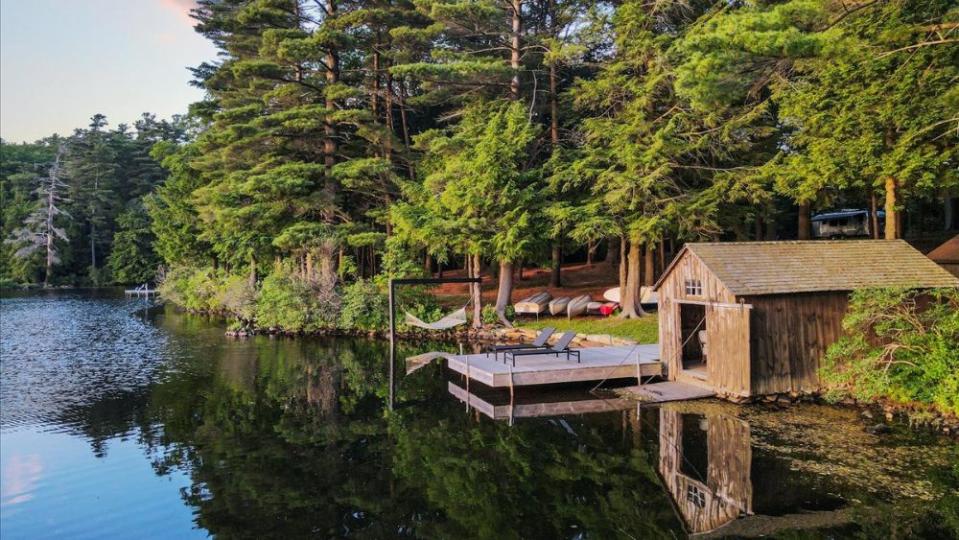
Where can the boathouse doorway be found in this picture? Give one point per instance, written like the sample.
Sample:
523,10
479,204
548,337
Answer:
692,323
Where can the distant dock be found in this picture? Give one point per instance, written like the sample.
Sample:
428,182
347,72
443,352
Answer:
142,290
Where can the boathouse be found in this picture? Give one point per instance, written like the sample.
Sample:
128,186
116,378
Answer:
755,318
947,255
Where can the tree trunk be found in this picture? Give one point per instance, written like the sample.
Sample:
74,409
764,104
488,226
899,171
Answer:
622,265
873,216
516,47
428,264
630,294
519,270
252,279
329,131
477,294
590,251
948,214
662,259
553,96
504,294
555,277
649,273
804,223
892,217
612,251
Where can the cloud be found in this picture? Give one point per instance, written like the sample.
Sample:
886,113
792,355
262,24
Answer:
181,8
20,477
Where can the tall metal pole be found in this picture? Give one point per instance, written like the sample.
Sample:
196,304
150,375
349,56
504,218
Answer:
392,339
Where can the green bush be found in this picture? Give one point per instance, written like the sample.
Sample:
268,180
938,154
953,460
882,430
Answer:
365,307
901,345
490,316
288,302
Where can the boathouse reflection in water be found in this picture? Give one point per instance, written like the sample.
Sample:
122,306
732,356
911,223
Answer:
705,463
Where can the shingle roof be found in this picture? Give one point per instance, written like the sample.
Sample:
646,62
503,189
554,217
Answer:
754,268
947,253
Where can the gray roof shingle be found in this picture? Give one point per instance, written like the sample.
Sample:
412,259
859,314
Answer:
754,268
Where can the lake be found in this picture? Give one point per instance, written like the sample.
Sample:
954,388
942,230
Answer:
120,418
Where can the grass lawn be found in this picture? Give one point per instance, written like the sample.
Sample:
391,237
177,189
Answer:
644,330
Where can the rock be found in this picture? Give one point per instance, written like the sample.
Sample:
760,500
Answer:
771,398
889,416
784,400
866,414
878,429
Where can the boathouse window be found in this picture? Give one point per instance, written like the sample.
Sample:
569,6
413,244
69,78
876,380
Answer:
694,287
695,496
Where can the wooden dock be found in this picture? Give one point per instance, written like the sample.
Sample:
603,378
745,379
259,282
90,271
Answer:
498,407
663,392
597,364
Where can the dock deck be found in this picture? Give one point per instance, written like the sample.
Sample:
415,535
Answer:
597,364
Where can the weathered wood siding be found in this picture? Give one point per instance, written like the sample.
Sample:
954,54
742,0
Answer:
727,338
789,336
672,290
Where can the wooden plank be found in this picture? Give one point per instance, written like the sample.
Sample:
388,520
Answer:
663,392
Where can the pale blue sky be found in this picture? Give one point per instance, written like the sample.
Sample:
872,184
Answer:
61,61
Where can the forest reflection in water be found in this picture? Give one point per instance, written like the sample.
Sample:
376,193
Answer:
292,438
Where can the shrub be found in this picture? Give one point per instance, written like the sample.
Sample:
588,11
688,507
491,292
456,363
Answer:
901,345
286,301
490,316
365,307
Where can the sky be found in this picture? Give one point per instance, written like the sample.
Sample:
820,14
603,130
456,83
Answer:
62,61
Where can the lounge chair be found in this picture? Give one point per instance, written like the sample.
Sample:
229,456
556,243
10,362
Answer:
561,347
537,343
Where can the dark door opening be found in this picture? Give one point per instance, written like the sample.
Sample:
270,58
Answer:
692,323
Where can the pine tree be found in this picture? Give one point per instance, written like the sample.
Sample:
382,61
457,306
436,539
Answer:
41,230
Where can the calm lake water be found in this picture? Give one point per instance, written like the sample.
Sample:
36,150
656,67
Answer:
121,419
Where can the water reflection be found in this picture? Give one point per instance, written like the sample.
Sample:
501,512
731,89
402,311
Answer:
292,438
705,462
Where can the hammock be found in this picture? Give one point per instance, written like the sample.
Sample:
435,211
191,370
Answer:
455,318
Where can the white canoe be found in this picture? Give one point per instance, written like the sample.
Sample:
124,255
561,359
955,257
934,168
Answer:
534,304
593,307
613,295
647,296
558,305
577,305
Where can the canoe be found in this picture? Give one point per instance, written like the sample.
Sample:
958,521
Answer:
594,307
558,305
577,305
533,304
608,308
648,297
613,295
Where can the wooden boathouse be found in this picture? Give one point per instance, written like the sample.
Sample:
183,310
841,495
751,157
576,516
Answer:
755,318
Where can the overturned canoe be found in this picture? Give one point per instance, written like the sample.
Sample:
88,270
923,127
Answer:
534,304
594,307
648,297
558,305
577,305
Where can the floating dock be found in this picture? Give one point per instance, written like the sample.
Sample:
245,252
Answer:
596,364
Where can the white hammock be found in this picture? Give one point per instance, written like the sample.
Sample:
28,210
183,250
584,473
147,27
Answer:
455,318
